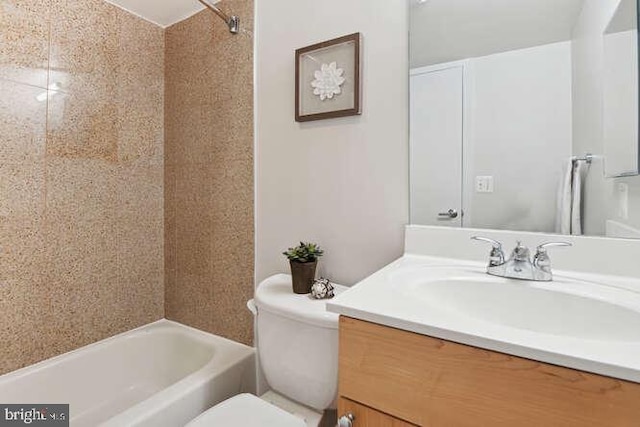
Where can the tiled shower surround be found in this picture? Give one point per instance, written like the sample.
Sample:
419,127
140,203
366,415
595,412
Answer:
82,185
209,248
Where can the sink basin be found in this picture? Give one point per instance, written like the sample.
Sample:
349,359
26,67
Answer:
583,321
568,308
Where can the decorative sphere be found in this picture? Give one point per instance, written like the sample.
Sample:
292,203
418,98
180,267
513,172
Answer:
322,289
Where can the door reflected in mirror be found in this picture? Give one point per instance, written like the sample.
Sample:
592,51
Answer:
524,113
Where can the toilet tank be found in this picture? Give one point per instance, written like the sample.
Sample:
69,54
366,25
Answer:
297,343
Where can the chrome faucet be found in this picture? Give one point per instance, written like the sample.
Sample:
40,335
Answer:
519,265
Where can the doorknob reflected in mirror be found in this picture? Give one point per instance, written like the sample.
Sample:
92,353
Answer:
346,420
450,214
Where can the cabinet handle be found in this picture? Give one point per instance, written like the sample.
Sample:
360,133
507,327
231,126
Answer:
346,420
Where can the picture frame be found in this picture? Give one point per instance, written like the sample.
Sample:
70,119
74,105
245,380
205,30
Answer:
328,79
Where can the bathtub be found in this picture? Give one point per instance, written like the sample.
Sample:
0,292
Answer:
162,374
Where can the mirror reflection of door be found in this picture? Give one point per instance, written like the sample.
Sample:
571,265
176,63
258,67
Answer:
436,110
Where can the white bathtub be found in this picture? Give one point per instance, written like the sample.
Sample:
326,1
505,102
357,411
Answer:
162,374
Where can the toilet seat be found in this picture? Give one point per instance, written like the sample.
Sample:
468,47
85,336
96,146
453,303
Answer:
246,410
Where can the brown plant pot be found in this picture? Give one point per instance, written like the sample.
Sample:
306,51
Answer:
303,275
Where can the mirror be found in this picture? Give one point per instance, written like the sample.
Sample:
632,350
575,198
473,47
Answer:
524,115
621,91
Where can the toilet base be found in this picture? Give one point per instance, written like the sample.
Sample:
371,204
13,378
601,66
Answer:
311,417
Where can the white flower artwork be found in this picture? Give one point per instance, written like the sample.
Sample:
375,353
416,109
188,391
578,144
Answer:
328,80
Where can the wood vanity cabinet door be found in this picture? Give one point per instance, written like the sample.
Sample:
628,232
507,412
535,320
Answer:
367,417
436,383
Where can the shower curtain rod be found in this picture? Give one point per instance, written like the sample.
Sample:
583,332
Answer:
233,22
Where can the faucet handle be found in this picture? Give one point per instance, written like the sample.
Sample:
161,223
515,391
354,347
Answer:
496,256
543,247
541,260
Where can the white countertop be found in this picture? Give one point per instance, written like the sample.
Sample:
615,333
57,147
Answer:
381,299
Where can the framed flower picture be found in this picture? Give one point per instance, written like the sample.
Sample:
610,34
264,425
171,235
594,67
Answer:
328,79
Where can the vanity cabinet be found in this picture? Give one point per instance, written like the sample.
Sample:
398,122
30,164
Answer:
412,379
365,416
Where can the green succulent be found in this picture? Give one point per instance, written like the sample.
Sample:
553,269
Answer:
305,252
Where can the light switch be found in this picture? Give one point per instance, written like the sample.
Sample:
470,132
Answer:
484,184
623,200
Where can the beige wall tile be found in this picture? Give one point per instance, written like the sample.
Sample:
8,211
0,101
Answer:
140,200
81,181
109,65
170,233
209,85
21,207
84,63
140,90
81,249
22,192
83,119
194,211
209,158
23,124
21,253
21,327
24,41
84,38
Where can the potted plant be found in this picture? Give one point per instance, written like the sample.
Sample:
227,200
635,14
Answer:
303,260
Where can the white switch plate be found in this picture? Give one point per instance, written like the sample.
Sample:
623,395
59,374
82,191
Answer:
623,200
484,184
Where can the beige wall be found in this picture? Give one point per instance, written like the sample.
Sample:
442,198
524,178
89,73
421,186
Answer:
209,252
81,176
340,182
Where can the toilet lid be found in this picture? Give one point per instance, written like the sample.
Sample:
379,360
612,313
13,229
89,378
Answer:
246,410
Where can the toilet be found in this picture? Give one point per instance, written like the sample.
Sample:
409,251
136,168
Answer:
297,342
